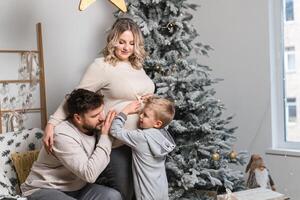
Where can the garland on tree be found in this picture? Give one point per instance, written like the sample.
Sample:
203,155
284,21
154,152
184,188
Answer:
204,152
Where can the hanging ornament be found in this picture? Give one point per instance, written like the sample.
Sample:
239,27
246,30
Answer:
119,3
159,69
4,88
233,155
215,156
174,68
171,26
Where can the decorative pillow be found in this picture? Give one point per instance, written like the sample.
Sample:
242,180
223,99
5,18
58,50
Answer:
23,163
5,186
21,141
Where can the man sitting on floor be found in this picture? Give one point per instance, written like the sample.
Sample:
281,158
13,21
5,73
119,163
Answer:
80,154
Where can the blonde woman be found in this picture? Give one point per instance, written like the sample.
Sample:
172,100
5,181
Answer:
120,77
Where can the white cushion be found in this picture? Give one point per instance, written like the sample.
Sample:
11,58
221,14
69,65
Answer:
5,186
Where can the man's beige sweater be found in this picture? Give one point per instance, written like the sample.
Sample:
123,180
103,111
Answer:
78,159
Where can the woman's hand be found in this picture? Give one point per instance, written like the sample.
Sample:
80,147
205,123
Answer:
48,138
107,123
133,107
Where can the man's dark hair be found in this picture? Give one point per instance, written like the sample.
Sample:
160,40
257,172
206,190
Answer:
80,101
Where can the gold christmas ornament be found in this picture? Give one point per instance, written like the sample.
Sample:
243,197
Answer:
215,156
233,155
119,3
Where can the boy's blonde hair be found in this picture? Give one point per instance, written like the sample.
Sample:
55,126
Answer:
164,109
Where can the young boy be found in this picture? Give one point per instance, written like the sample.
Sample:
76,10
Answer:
150,145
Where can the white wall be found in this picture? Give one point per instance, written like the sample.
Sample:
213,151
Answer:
72,39
238,30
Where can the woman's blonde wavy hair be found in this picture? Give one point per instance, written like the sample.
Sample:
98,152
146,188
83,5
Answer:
120,26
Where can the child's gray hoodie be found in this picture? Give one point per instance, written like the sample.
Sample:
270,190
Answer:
149,150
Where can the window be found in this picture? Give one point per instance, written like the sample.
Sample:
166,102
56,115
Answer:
291,110
285,78
289,10
292,127
289,59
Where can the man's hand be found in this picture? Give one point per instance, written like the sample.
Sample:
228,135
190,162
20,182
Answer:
133,107
48,138
107,123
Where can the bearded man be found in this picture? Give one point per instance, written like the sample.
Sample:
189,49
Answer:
81,151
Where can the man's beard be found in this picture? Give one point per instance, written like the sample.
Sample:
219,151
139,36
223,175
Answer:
92,129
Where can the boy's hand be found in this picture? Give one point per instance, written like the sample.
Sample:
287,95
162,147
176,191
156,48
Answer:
132,108
107,123
145,97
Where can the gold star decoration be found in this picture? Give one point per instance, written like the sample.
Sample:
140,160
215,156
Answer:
119,3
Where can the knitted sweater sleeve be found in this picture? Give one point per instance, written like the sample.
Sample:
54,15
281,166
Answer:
94,80
73,156
130,137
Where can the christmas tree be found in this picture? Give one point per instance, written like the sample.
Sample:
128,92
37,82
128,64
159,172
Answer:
201,160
